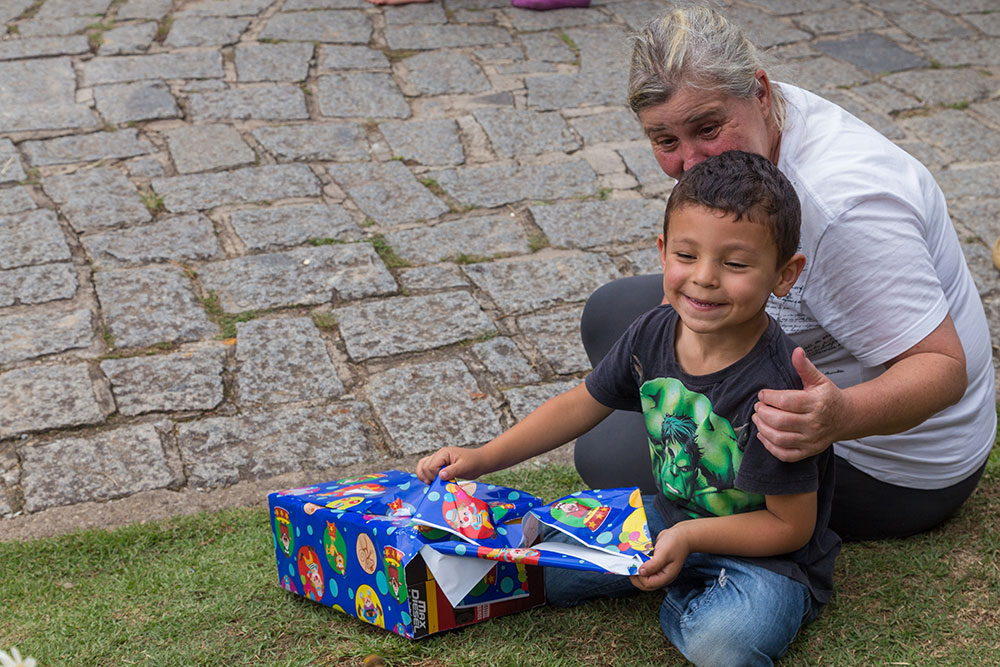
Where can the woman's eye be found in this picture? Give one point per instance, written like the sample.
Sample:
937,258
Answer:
665,143
709,131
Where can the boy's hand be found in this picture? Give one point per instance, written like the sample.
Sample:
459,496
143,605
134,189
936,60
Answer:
456,462
668,558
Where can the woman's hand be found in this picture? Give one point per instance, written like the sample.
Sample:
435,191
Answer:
794,424
452,462
665,564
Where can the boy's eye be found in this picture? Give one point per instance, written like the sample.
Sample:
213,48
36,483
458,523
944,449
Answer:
736,265
684,256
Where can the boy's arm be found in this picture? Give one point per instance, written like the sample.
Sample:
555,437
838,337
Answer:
554,423
785,526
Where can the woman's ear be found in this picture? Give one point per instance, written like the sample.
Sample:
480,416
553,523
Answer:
788,274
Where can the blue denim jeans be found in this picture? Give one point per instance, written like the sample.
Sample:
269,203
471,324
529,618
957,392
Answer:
719,610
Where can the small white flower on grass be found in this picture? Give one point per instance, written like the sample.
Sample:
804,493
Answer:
14,659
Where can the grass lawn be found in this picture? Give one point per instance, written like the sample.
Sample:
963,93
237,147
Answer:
202,590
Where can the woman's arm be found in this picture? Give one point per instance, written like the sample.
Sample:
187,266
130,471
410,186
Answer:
923,380
554,423
785,526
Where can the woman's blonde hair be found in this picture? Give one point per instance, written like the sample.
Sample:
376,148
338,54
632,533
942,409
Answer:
694,47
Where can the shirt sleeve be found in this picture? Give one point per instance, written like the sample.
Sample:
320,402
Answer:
873,284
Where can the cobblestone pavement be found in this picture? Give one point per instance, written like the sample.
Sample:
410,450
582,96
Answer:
249,238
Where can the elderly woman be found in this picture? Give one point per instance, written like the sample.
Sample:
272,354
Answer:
896,370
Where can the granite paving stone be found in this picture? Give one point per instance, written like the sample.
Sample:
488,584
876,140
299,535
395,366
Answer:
197,148
11,170
141,100
635,14
127,39
469,239
41,95
145,167
273,62
524,400
765,31
250,184
496,185
38,284
283,226
32,237
433,73
516,132
86,147
176,65
33,47
51,8
944,86
143,9
968,139
526,20
606,127
956,52
822,74
547,47
505,362
525,284
336,26
989,110
219,451
268,102
529,67
11,9
297,5
556,337
205,31
972,181
432,277
981,216
36,398
850,19
182,237
870,51
929,25
284,360
188,379
63,25
351,57
427,406
112,464
559,91
387,192
93,199
883,123
434,141
984,272
645,261
499,53
14,200
886,98
9,477
640,162
37,333
426,37
361,95
302,277
429,13
226,8
335,141
584,224
410,324
145,306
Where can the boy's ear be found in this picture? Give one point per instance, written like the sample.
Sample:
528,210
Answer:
788,274
661,246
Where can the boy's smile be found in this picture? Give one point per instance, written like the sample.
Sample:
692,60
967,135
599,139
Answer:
718,273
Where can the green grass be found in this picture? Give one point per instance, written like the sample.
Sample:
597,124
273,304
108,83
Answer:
202,590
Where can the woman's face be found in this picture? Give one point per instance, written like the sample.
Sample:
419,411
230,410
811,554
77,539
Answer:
696,124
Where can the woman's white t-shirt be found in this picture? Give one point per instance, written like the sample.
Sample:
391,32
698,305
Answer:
883,269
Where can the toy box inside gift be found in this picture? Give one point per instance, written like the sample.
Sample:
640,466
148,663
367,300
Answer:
417,558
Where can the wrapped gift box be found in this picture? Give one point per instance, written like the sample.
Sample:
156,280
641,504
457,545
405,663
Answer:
355,545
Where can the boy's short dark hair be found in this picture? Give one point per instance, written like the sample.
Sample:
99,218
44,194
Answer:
748,186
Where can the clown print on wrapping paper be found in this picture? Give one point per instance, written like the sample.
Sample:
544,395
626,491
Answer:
368,606
335,548
467,514
311,573
392,562
635,531
283,529
580,512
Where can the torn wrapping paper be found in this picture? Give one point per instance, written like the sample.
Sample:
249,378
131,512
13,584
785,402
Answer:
417,558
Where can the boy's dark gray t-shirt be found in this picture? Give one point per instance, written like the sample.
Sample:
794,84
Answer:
706,457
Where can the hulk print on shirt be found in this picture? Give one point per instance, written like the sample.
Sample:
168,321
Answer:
695,453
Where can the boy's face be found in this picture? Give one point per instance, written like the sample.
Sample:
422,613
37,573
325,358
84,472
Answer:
718,272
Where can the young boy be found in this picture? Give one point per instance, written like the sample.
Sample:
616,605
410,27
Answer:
742,538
